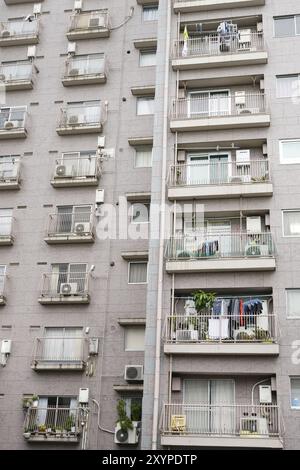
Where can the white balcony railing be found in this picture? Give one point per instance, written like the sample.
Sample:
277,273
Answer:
221,420
221,172
89,66
60,349
16,29
216,44
9,169
207,328
81,116
63,284
208,246
75,166
2,285
16,72
53,420
218,105
77,223
12,118
92,20
6,227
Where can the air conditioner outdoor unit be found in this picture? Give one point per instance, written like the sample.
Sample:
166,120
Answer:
73,120
128,436
82,228
60,170
134,373
10,124
187,335
69,288
5,33
240,98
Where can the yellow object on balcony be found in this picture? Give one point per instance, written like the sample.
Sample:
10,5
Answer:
178,423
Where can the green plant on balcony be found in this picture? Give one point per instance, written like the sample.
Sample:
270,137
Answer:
136,411
263,335
42,428
70,423
245,336
184,254
123,420
203,300
30,401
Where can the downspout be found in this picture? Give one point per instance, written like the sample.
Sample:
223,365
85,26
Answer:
161,235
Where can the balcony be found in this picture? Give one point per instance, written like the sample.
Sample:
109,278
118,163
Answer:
59,353
222,179
13,122
218,110
6,230
65,288
17,76
81,119
52,424
10,172
19,32
89,25
2,288
201,425
212,50
17,2
211,334
85,70
238,251
76,169
186,6
76,227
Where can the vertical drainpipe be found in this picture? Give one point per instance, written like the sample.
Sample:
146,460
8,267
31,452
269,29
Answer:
161,234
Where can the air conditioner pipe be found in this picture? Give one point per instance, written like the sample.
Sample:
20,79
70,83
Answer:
98,422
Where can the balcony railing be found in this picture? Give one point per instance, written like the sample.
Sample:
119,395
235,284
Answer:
76,224
86,21
6,228
77,167
196,174
59,350
219,105
207,328
9,169
18,29
208,246
86,67
16,72
57,421
65,284
2,288
221,420
81,116
12,119
216,44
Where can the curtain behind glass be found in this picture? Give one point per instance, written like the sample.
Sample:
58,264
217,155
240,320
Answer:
137,273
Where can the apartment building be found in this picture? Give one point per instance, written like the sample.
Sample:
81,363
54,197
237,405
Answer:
191,334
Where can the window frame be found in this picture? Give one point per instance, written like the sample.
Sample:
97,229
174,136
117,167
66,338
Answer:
295,408
281,157
145,52
148,98
148,7
140,148
282,215
287,76
131,209
284,17
128,276
126,328
288,316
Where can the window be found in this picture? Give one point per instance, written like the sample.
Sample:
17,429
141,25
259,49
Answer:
137,272
288,86
84,113
2,277
150,13
9,167
293,303
86,64
5,222
289,151
291,223
143,157
135,338
78,164
285,26
69,216
145,105
147,58
62,344
73,274
295,393
55,412
133,407
140,213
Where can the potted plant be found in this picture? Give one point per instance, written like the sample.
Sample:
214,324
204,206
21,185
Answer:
69,425
263,335
124,421
203,300
136,412
31,401
42,428
35,401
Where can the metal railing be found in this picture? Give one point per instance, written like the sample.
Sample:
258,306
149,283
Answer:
220,172
218,105
217,44
81,116
63,284
60,349
2,284
70,223
212,246
88,66
18,28
70,166
6,226
89,21
9,169
221,420
18,71
207,328
12,118
52,420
